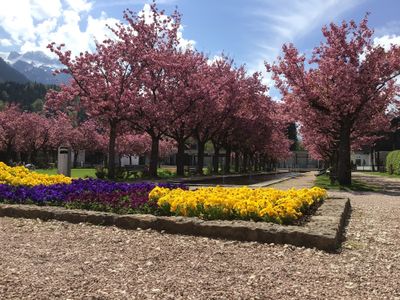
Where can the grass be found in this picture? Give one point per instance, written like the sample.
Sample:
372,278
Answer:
324,182
75,173
383,174
83,173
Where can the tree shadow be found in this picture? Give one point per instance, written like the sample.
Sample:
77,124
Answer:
390,187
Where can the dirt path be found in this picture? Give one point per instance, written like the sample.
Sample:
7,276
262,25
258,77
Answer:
56,260
304,180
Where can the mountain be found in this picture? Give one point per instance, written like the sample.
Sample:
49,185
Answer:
37,58
8,73
40,74
37,67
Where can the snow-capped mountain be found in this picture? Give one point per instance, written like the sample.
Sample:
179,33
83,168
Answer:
36,66
36,58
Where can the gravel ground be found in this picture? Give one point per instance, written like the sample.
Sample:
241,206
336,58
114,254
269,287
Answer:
56,260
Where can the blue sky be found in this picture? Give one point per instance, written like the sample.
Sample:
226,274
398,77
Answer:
250,31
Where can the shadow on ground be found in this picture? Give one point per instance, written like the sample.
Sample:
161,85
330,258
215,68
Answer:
386,186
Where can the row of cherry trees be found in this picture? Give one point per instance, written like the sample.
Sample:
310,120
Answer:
24,135
142,85
345,97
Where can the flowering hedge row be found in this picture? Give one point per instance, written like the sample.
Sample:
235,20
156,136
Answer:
238,203
23,176
19,185
90,194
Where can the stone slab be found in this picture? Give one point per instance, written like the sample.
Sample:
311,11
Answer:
324,230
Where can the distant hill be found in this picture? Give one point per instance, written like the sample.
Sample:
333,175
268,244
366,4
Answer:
8,73
29,96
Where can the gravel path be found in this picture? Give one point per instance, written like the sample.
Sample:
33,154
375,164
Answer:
304,180
56,260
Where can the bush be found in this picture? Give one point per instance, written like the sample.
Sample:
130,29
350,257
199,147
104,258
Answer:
101,172
165,173
393,162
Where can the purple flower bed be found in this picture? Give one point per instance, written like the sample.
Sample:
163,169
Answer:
94,194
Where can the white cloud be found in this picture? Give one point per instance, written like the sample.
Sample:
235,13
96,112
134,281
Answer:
79,5
387,40
279,22
214,59
128,3
148,17
288,20
32,24
5,42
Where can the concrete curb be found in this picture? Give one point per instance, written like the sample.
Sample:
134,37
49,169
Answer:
324,230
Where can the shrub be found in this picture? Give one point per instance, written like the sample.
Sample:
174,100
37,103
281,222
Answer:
393,162
101,172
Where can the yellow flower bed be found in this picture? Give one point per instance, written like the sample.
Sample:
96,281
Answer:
22,176
262,204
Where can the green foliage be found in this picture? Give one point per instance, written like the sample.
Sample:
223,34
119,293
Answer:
26,95
101,172
75,173
165,173
393,162
37,105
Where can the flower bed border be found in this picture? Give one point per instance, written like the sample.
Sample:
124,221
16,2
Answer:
324,230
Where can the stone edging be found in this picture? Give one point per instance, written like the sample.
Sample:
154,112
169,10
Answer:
323,231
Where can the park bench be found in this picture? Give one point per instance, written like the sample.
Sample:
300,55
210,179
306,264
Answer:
134,170
191,170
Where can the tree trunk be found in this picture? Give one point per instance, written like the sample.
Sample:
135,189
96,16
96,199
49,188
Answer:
372,160
8,154
333,168
251,163
263,163
29,157
111,151
256,163
155,142
75,159
344,166
180,158
216,160
200,157
237,162
227,167
245,161
34,157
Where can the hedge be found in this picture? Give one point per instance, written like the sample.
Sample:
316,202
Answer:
393,162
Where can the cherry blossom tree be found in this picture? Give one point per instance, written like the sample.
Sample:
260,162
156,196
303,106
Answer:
122,80
220,102
161,61
184,95
33,135
10,119
345,95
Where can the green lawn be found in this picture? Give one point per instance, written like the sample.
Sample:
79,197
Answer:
324,182
75,173
82,173
384,174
